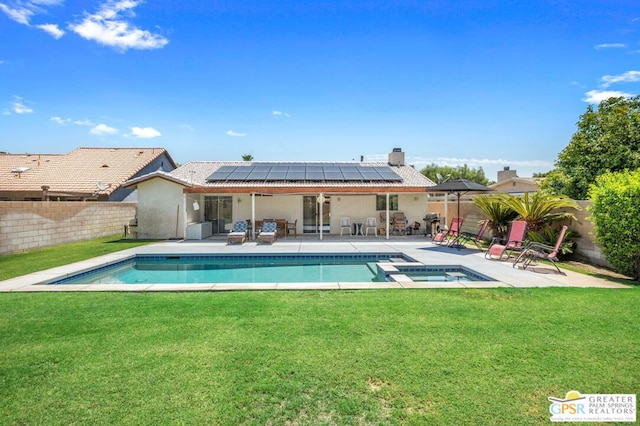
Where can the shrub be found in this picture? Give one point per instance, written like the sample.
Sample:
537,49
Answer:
615,215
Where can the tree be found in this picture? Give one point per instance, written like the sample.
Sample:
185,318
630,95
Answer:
465,172
247,157
499,215
607,140
616,203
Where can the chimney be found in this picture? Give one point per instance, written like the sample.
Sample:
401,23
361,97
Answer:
506,173
396,157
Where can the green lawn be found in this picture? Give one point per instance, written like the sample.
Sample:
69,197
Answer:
312,357
14,265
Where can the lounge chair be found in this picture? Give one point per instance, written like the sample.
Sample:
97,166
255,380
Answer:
268,234
238,233
499,248
446,235
534,251
345,223
468,237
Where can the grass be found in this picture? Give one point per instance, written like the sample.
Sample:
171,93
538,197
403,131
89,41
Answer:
14,265
326,357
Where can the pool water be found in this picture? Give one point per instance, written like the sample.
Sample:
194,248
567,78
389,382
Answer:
238,269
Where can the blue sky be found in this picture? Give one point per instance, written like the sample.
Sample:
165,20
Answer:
483,83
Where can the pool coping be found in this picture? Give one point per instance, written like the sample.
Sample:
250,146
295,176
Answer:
420,250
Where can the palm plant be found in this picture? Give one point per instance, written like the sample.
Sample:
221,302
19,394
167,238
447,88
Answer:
540,208
499,214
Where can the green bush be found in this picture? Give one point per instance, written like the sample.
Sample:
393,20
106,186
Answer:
616,218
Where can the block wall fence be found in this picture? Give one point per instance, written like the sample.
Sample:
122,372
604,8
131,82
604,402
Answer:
25,225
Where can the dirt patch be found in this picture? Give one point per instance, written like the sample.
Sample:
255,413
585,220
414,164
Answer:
600,270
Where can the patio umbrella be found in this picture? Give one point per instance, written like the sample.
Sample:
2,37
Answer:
458,187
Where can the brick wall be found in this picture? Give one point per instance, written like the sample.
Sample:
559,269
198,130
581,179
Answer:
26,225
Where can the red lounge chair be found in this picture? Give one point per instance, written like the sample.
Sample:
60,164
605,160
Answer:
500,248
535,251
451,233
467,237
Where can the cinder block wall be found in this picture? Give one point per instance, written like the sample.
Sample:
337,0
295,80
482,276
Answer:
26,225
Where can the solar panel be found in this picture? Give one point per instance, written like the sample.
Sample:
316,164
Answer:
370,174
240,173
315,175
301,171
333,175
222,173
275,174
296,174
258,174
352,175
388,174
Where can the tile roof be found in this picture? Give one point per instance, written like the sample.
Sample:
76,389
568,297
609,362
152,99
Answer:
76,172
196,172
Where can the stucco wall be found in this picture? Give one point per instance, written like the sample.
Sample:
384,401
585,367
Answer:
26,225
160,210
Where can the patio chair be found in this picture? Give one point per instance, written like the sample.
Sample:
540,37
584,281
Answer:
468,237
238,233
500,248
370,223
446,235
345,223
534,251
292,227
268,234
399,223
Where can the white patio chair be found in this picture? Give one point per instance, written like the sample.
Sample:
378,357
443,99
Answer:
345,223
371,223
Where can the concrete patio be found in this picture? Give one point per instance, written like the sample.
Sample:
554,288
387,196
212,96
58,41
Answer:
419,248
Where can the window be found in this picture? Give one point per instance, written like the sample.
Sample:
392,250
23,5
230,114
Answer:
381,202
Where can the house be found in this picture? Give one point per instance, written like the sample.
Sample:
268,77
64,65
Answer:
81,175
203,198
509,182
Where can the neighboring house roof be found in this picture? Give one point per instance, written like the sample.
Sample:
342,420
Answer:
82,172
516,185
195,174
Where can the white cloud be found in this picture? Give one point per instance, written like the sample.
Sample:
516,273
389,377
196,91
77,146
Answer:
103,129
235,134
61,121
83,123
597,96
610,46
19,107
20,14
109,28
22,11
280,114
627,77
187,127
52,29
421,163
145,132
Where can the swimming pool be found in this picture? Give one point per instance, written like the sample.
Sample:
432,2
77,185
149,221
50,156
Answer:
280,268
270,268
